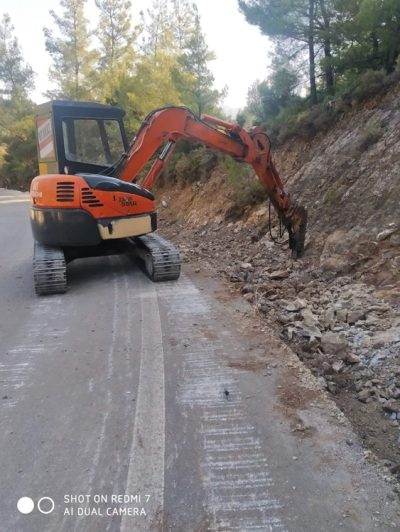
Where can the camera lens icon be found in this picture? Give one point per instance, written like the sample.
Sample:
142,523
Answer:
25,505
45,505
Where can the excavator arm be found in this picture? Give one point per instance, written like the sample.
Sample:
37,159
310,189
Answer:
164,127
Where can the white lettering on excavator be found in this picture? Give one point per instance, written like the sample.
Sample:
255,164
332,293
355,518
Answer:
44,131
45,138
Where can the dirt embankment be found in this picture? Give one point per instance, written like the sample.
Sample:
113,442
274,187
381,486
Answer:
339,307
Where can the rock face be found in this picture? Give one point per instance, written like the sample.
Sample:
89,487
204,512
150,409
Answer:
279,274
355,315
333,343
334,253
383,235
349,189
296,305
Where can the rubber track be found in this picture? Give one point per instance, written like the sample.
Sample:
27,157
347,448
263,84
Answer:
49,270
161,258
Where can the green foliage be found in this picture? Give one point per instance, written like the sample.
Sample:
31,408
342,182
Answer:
72,58
331,196
151,87
293,24
17,135
16,77
380,19
370,137
115,34
268,99
351,47
368,84
169,67
172,66
287,19
116,54
247,190
301,121
192,76
192,164
183,21
19,163
242,118
17,139
355,87
158,30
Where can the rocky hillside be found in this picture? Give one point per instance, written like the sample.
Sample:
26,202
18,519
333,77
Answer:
349,178
338,308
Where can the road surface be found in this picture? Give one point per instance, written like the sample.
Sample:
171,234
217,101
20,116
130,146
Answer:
130,406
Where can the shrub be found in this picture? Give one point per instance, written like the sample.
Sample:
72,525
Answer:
369,83
247,190
197,165
371,136
331,195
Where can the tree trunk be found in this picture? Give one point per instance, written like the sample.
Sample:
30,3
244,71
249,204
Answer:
328,69
392,50
311,53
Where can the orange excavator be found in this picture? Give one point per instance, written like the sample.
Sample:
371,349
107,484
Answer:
87,201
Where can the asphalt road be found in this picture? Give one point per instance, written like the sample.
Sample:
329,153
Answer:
129,406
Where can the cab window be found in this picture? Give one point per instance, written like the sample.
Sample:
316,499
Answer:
92,141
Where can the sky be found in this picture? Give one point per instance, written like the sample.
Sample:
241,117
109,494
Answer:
242,52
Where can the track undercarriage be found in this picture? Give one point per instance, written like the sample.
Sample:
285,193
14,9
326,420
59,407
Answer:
160,260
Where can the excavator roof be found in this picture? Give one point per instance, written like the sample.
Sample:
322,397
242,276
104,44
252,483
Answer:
69,108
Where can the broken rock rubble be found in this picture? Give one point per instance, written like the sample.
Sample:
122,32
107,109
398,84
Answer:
338,324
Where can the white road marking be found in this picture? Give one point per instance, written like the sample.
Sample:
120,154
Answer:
234,465
146,466
14,200
107,406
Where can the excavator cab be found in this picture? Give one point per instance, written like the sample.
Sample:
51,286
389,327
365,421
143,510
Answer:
79,137
80,208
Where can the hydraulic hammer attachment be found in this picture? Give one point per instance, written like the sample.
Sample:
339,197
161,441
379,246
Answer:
296,224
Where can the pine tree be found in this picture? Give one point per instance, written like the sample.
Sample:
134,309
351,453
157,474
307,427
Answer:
117,56
151,87
158,30
17,137
266,99
70,52
16,77
18,165
380,19
292,21
194,79
183,21
115,34
325,31
152,84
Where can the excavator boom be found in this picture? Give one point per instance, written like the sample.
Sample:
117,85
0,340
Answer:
164,127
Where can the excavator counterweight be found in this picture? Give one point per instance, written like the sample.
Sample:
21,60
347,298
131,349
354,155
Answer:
87,201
